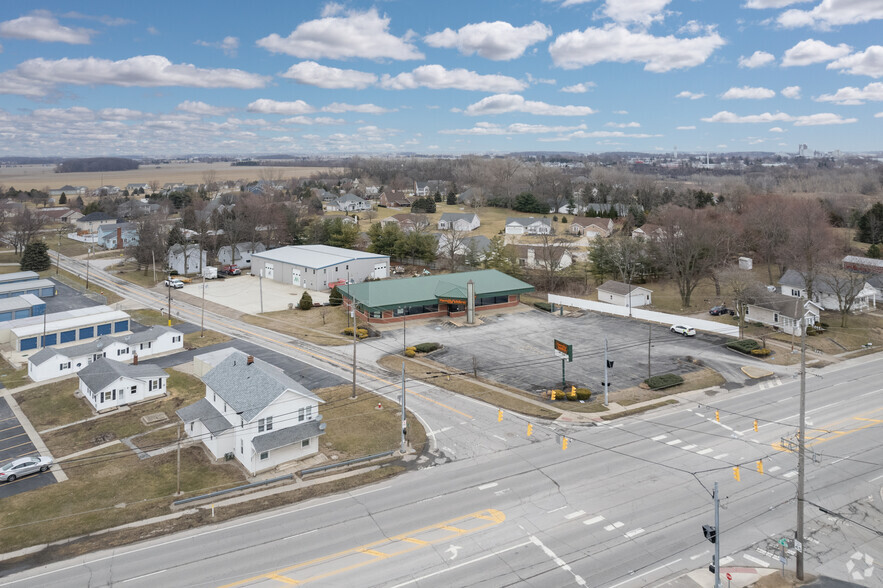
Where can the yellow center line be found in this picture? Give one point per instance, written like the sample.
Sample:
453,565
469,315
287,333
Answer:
830,433
371,551
152,295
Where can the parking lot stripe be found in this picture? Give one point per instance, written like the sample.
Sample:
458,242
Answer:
10,428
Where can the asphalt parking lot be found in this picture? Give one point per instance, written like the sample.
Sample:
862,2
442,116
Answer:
67,299
15,443
517,349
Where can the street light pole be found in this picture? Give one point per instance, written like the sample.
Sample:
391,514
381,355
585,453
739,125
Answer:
58,254
801,450
88,257
353,302
404,417
202,315
606,380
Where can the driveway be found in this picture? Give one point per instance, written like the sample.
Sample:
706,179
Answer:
15,443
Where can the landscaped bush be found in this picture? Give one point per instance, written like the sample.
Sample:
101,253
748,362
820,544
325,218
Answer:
306,301
335,298
410,351
543,306
743,345
812,331
760,352
579,394
663,381
426,347
360,333
556,395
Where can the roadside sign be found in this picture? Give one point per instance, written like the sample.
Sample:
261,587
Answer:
563,350
783,542
798,546
782,560
729,576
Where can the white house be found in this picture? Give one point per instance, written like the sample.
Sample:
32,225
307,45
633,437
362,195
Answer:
825,294
622,294
348,203
649,232
459,221
107,384
591,227
186,260
782,312
528,226
407,221
255,413
242,255
538,256
91,222
55,362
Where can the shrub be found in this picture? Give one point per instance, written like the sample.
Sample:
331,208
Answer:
543,306
556,395
555,219
743,345
306,301
335,298
824,325
663,381
563,219
579,394
811,331
426,347
760,352
360,333
410,352
35,257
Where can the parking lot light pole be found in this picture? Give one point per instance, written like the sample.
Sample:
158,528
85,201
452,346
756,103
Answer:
202,315
88,257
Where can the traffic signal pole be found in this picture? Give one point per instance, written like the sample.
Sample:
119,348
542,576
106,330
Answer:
717,539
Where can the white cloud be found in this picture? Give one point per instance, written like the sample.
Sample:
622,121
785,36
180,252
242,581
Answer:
829,13
436,77
620,112
642,12
792,92
357,34
628,125
618,44
313,74
757,59
866,63
37,77
153,30
813,51
878,115
686,128
501,103
42,26
690,95
317,120
497,40
609,134
777,130
772,3
338,107
851,96
201,108
747,93
484,128
822,118
580,88
228,45
267,106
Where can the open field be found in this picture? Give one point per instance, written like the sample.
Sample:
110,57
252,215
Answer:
26,177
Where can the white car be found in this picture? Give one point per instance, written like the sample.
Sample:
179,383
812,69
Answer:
24,466
683,330
174,283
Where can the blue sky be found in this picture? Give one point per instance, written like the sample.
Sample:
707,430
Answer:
452,77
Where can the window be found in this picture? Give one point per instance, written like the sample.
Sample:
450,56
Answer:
309,412
261,425
241,447
795,292
265,454
301,414
305,443
776,317
133,390
191,425
269,423
65,366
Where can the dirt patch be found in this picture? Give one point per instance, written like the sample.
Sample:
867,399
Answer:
631,411
321,325
777,581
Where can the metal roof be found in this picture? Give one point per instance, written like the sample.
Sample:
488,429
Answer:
392,294
288,436
18,277
27,285
315,256
34,324
19,302
620,288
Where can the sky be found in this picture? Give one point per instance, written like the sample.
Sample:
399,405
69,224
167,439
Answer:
449,77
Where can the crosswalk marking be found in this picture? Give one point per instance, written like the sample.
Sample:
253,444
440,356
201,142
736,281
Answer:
574,515
705,451
688,447
593,520
721,456
658,437
673,442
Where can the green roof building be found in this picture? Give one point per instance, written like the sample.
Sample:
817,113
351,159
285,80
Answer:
432,296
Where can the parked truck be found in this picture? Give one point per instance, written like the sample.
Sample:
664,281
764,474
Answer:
209,272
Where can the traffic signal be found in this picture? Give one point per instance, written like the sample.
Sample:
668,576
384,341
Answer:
553,394
711,568
736,473
564,444
609,363
759,466
717,415
710,532
499,415
529,429
755,425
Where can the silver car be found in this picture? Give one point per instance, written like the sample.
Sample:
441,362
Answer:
24,466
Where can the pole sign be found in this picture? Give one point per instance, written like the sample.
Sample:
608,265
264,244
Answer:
563,350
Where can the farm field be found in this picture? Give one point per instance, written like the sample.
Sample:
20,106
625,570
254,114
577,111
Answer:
26,177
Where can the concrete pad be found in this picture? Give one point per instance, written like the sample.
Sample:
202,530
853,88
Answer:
243,293
755,372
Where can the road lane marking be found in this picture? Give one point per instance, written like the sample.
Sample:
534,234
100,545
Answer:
465,563
500,438
144,576
634,532
698,555
558,561
688,447
790,474
593,520
574,515
756,560
357,557
673,442
705,451
489,485
555,509
663,566
727,560
721,455
658,437
613,526
774,469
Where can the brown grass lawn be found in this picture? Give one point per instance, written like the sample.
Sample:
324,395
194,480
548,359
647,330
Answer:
107,488
9,257
704,378
161,437
68,247
322,325
11,377
149,317
469,386
53,404
356,428
199,339
184,389
860,329
129,271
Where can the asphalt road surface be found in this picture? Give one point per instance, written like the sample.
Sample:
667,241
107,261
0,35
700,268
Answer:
622,506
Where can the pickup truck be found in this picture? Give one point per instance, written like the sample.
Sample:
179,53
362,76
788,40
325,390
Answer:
174,283
231,270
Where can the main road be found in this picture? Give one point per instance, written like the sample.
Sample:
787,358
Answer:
621,506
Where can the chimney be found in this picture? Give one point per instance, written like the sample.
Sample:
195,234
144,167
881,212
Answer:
250,360
119,238
135,359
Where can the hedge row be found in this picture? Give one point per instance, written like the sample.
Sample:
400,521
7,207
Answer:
426,347
663,381
543,306
744,345
360,333
571,394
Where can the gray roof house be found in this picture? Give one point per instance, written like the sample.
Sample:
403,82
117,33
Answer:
107,384
782,312
348,203
825,291
460,221
528,226
255,412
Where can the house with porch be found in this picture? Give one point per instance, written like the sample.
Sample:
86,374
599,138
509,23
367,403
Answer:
255,413
528,226
117,236
782,312
825,291
240,255
591,227
189,259
348,203
458,221
108,384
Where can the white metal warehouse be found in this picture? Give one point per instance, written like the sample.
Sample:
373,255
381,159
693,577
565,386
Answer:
318,267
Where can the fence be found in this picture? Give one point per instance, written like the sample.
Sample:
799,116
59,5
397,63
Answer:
646,315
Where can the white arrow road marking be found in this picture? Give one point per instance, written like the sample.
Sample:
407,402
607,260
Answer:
453,550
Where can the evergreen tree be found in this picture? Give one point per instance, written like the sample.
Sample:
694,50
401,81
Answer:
437,197
527,202
335,298
62,199
874,251
79,202
870,225
306,301
35,257
452,199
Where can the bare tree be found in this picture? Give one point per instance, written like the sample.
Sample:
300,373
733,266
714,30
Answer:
24,226
685,247
810,240
765,229
845,286
210,180
151,242
744,287
452,245
549,258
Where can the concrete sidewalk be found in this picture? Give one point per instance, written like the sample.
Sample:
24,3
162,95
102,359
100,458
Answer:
741,577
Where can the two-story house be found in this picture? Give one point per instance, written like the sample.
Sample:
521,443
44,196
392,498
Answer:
254,412
825,291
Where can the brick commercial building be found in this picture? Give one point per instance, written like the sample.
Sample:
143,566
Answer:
432,296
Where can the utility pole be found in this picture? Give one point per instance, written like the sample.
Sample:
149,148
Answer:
169,288
58,254
717,537
153,257
801,449
606,379
649,341
353,302
88,257
202,316
178,491
404,414
404,331
261,288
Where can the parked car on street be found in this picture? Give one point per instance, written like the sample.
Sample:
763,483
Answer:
24,466
720,309
683,330
174,283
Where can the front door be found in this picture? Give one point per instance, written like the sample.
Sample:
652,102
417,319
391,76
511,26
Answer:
268,271
295,277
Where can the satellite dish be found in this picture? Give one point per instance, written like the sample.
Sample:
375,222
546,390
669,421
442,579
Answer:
322,426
